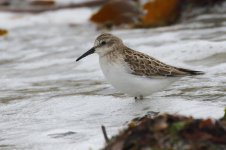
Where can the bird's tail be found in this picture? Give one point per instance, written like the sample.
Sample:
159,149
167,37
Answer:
191,72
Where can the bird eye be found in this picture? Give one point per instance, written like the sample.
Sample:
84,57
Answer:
103,43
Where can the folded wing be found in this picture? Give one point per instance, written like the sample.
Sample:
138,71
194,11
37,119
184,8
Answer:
144,65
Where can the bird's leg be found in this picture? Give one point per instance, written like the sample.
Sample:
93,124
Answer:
141,97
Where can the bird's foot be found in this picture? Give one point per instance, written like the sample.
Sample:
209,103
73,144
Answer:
138,97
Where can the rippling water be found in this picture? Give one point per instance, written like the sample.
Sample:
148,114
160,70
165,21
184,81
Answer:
48,101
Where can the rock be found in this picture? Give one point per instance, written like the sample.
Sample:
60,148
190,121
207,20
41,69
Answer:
3,32
204,3
42,2
161,13
5,2
117,12
149,13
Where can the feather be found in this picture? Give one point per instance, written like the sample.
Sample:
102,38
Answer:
145,65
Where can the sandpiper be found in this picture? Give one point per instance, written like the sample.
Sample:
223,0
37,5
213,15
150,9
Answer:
133,72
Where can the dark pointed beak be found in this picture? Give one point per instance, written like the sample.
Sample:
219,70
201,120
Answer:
89,52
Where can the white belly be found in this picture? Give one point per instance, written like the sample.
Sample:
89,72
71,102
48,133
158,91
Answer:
130,84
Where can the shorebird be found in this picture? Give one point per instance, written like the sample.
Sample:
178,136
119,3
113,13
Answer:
133,72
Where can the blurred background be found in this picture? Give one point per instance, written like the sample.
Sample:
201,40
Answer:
49,101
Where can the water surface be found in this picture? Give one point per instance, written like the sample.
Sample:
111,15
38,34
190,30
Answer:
49,101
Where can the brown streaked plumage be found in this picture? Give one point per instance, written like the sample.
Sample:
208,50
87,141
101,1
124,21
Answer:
145,65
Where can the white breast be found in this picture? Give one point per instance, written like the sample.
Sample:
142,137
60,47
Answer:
119,75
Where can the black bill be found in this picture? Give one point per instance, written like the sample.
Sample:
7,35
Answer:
91,51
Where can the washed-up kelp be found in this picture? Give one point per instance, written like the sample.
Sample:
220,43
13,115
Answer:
171,132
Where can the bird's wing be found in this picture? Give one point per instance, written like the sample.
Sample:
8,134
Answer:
144,65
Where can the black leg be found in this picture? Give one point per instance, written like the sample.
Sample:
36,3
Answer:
141,97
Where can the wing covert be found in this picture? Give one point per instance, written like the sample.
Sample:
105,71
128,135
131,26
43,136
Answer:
145,65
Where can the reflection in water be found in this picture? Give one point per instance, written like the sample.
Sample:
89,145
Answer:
48,101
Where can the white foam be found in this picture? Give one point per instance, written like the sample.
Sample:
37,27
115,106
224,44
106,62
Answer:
66,16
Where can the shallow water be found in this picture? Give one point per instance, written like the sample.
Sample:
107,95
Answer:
48,101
